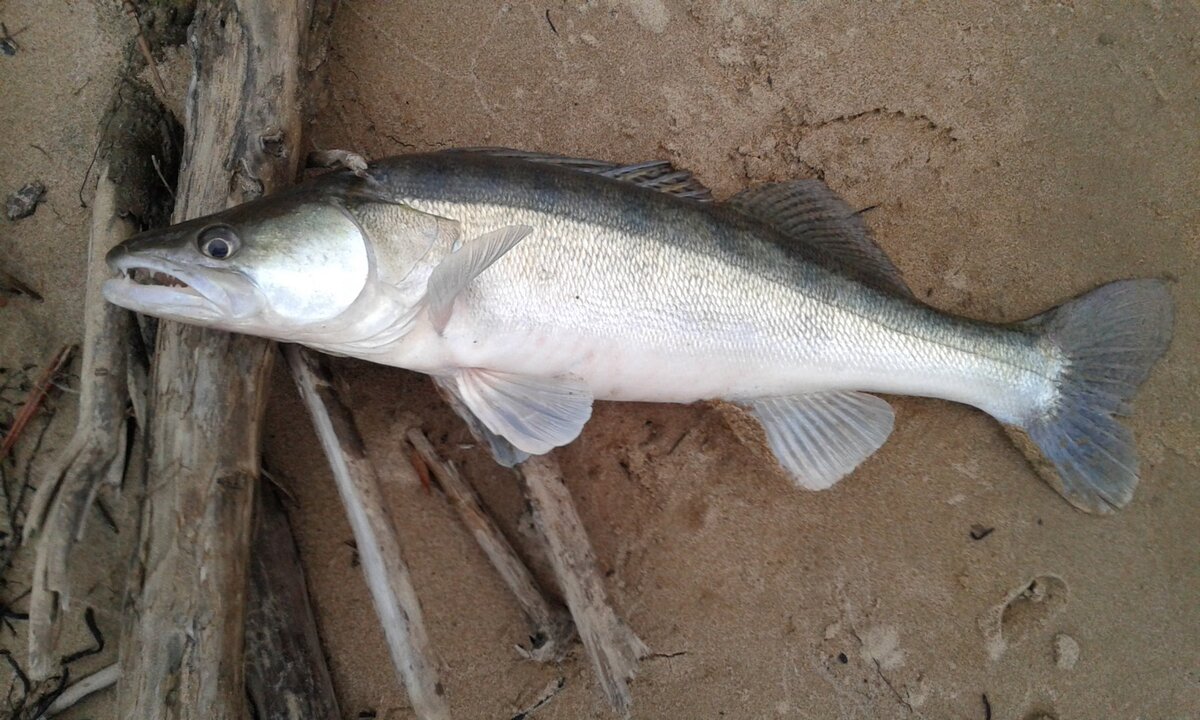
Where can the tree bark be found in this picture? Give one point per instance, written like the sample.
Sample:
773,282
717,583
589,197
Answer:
182,653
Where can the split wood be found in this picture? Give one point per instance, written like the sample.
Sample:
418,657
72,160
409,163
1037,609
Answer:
136,129
286,674
97,448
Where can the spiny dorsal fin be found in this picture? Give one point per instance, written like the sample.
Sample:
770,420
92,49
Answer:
824,227
657,175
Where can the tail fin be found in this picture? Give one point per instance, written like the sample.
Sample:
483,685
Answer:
1109,339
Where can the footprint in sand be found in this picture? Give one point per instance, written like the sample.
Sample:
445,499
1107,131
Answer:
1029,607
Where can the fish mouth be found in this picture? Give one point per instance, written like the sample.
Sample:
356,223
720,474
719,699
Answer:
159,287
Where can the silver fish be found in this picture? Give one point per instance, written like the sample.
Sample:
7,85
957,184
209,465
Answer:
529,285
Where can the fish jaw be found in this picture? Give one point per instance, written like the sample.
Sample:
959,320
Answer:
156,286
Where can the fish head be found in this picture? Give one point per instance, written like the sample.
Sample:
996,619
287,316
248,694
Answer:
278,267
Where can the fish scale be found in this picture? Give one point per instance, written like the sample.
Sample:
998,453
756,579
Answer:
768,325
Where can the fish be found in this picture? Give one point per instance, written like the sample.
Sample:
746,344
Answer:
530,285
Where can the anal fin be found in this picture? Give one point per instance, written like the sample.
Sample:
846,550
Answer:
820,437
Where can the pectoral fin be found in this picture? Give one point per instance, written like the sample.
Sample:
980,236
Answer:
457,270
820,437
534,414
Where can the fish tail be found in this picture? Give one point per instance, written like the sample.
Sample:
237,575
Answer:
1106,342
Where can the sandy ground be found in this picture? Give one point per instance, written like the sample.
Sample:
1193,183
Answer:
1018,153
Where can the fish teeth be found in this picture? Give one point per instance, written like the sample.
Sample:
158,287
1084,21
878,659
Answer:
145,276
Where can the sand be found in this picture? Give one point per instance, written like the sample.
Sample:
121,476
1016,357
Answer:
1018,153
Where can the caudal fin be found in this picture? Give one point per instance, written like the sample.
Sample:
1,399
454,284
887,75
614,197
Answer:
1108,339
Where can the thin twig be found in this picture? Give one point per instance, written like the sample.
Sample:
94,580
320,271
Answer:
75,692
144,47
34,401
9,284
550,623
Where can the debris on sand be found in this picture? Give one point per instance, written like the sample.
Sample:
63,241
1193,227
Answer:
23,202
8,45
10,286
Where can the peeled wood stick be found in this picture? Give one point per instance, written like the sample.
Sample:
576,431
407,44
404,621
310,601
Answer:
612,647
182,653
378,548
286,674
551,630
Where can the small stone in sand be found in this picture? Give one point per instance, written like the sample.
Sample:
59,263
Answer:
23,202
1066,651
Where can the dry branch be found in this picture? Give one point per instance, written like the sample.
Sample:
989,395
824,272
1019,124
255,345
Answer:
99,442
551,630
612,647
382,563
286,675
182,653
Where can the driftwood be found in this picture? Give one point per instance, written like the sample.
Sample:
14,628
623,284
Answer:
383,565
286,675
182,650
551,630
612,647
138,133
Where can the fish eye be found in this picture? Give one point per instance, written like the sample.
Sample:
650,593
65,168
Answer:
218,243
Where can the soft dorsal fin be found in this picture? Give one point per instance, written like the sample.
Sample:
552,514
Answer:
657,175
820,437
825,228
456,271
